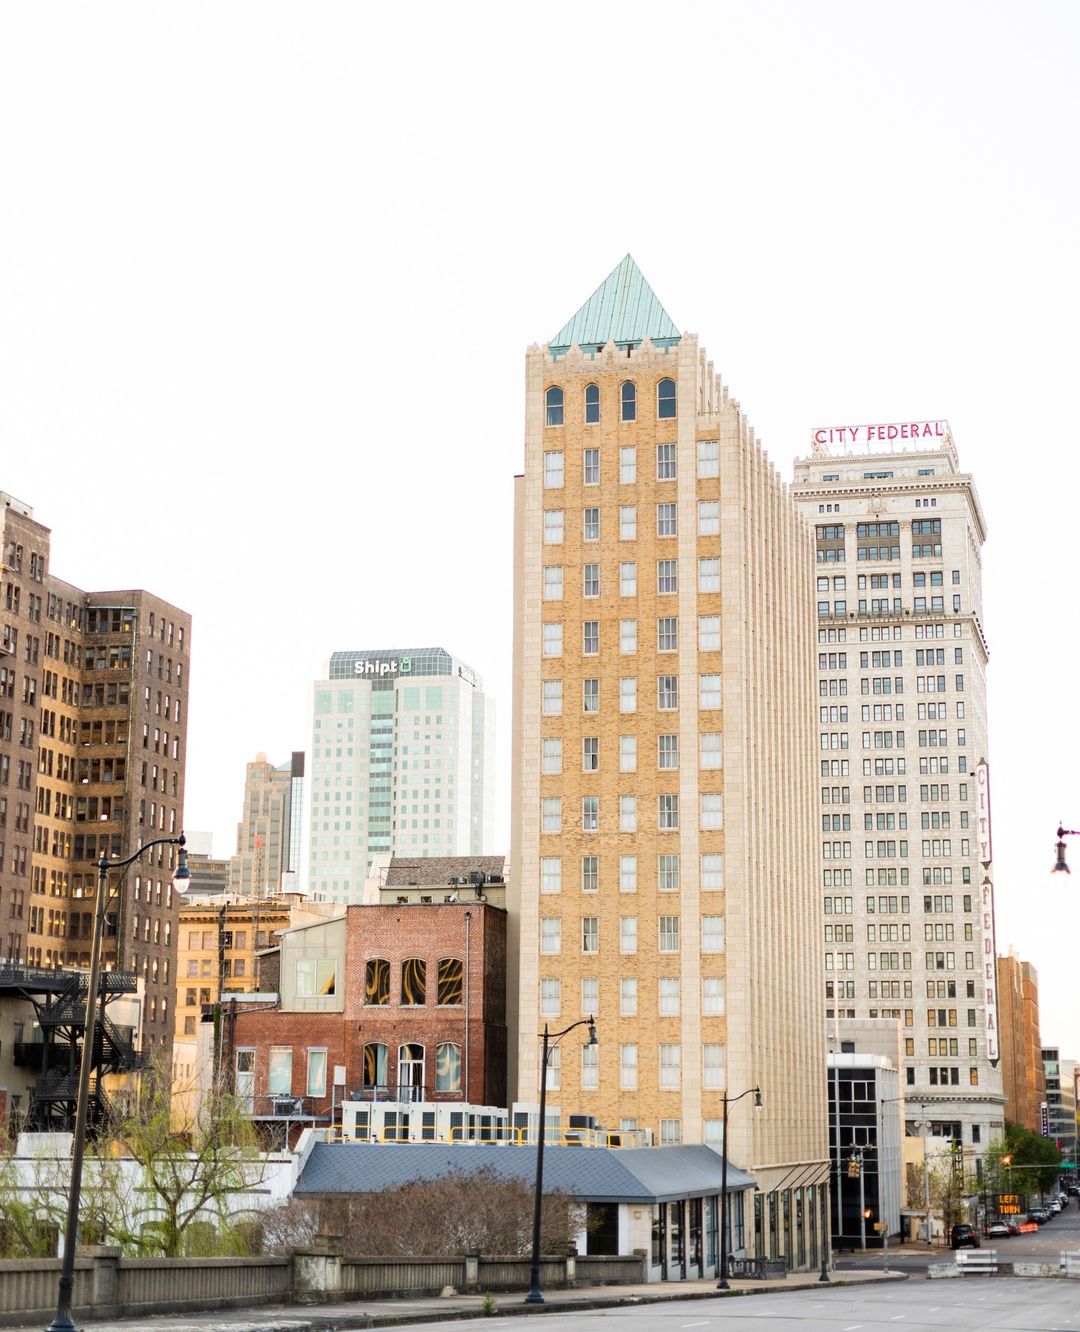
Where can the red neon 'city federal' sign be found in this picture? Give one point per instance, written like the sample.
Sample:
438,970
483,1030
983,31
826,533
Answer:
881,434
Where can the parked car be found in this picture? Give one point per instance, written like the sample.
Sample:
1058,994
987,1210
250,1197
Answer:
1013,1226
1039,1214
996,1229
965,1237
1053,1207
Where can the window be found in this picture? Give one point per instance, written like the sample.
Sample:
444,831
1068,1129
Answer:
590,525
554,1072
316,1073
712,934
667,693
709,575
665,462
627,465
628,813
553,401
667,634
670,1132
669,934
712,996
553,527
712,810
628,1067
667,576
666,520
628,753
668,751
665,399
591,467
550,1000
628,522
590,934
590,638
670,1067
553,582
590,580
628,693
628,934
711,749
551,703
712,871
628,996
550,874
590,813
710,691
553,470
413,981
667,873
590,695
553,639
627,401
709,633
450,973
551,814
628,579
377,981
376,1061
627,637
668,811
592,404
628,874
279,1072
708,517
712,1067
550,934
708,457
590,1067
448,1067
669,996
590,753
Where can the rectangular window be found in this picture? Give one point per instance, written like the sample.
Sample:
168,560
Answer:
628,813
667,634
628,522
628,874
591,467
550,1000
590,753
627,465
712,934
667,873
553,527
553,582
627,637
590,580
709,575
628,1067
628,753
670,1067
667,576
628,996
551,704
669,811
550,934
708,457
590,1067
590,934
666,520
628,579
590,525
668,994
667,693
552,754
712,996
712,810
590,638
712,1067
711,749
710,691
550,874
590,695
708,517
279,1073
590,813
665,462
669,934
628,934
628,693
712,871
553,639
553,469
709,633
668,751
551,814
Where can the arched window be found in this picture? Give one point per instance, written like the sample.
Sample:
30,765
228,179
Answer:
377,981
410,1077
665,399
553,400
449,980
448,1067
592,404
628,401
375,1070
414,981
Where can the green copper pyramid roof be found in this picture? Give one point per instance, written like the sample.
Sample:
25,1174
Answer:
623,310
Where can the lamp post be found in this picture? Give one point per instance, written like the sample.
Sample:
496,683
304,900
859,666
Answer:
63,1322
535,1295
722,1284
1060,867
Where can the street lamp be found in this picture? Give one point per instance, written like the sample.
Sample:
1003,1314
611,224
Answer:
181,876
1060,866
722,1284
535,1296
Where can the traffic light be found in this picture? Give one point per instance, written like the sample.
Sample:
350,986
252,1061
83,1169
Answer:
1006,1160
853,1168
868,1212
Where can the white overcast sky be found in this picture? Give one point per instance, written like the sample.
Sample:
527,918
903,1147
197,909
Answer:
268,272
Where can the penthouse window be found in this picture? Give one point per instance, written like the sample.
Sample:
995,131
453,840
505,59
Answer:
665,399
592,404
553,401
628,401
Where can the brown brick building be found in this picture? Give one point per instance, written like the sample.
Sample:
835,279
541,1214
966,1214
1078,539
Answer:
1022,1075
93,724
408,999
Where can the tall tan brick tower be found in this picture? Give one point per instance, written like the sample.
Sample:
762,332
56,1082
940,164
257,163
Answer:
663,856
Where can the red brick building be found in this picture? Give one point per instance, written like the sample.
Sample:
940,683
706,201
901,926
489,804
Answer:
409,999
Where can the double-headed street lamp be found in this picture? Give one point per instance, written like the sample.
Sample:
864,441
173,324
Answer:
550,1037
722,1284
63,1322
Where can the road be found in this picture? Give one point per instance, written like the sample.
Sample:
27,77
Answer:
975,1303
1063,1232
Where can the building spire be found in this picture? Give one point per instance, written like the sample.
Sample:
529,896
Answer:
623,309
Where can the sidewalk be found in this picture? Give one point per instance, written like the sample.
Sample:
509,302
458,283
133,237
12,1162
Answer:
365,1313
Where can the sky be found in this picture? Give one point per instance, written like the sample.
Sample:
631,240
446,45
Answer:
268,272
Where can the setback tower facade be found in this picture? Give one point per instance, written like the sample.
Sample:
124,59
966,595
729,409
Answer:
663,860
906,867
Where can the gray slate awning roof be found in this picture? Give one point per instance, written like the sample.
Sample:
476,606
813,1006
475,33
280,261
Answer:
590,1174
